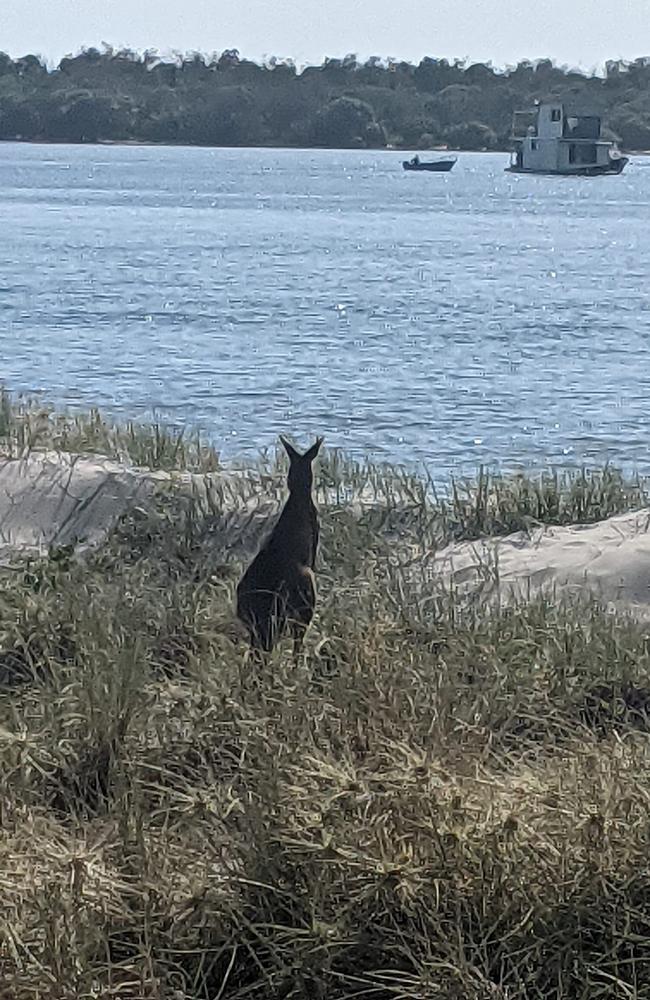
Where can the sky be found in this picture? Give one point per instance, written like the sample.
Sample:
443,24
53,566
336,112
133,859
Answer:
577,33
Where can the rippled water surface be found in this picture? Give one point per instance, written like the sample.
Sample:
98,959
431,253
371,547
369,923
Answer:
453,319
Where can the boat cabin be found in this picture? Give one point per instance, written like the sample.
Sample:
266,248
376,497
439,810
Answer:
550,140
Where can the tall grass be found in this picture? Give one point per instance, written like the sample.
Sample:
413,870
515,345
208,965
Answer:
386,495
439,801
27,427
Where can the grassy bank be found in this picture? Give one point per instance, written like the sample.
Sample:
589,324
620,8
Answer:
488,504
437,803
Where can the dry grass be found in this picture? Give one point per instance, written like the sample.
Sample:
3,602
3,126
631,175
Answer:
390,496
436,803
26,426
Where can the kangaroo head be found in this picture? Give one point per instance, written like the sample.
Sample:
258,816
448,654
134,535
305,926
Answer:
301,476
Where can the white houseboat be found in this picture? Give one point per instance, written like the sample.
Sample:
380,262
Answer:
549,140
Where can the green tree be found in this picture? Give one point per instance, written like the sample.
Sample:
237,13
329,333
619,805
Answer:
82,118
471,135
347,122
223,99
18,120
633,130
226,118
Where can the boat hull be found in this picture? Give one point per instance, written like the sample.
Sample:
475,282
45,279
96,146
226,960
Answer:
615,166
438,167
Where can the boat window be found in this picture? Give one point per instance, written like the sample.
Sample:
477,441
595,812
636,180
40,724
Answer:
583,153
556,115
588,153
585,127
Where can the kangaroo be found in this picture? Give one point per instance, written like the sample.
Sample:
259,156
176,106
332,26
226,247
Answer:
278,590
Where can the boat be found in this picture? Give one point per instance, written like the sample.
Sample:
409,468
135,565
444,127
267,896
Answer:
433,166
551,140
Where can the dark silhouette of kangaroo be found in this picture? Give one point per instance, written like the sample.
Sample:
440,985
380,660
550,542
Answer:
278,590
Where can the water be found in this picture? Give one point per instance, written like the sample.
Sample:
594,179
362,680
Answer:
473,317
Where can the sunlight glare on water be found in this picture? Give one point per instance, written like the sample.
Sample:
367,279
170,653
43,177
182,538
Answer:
457,319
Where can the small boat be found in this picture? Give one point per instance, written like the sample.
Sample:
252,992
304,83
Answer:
550,140
433,166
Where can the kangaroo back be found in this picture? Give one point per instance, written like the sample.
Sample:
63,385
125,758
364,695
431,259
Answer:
278,588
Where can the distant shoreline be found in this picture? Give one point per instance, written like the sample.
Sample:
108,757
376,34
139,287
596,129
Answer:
222,100
196,145
437,150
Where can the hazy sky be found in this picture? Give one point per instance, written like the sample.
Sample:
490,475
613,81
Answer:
577,32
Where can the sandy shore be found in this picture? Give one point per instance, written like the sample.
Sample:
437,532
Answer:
49,499
610,559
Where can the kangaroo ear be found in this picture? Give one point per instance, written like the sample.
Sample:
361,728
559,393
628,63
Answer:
289,448
313,451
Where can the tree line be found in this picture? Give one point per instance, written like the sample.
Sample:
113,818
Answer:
225,100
